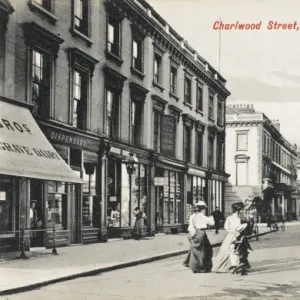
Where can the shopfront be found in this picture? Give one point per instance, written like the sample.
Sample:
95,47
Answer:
169,193
83,154
125,192
196,190
34,181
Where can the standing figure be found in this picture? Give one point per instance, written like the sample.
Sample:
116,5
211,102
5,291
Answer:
199,259
33,216
241,247
137,232
218,217
222,261
191,232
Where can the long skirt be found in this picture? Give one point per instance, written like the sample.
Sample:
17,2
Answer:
222,260
137,232
199,257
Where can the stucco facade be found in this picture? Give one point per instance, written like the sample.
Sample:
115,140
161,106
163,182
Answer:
261,162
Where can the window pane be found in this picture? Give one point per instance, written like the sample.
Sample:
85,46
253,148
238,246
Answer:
78,8
135,49
241,173
54,209
111,30
5,204
242,142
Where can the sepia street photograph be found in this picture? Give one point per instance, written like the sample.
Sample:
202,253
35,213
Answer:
149,149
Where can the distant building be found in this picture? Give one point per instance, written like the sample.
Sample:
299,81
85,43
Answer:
260,160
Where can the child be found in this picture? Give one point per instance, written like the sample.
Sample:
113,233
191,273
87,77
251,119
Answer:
240,247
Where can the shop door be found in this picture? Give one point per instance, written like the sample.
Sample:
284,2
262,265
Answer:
159,207
37,216
75,210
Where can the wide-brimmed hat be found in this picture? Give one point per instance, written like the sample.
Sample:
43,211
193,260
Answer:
241,228
238,205
201,203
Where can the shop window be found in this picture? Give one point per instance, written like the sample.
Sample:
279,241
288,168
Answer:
113,35
211,107
112,114
136,122
120,210
81,16
46,4
187,90
156,129
173,80
6,204
168,198
56,205
89,200
80,98
199,98
75,158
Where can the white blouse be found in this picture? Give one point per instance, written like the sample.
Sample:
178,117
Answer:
200,221
232,222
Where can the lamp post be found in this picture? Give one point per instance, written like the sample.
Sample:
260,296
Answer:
130,161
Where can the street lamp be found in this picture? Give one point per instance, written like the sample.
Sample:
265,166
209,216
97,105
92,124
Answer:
130,161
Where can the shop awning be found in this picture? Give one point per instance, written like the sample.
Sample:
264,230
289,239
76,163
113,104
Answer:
25,151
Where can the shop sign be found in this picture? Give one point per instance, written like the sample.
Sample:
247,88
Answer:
168,135
70,139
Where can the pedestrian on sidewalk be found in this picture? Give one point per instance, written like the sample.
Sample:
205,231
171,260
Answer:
200,254
222,261
191,232
218,217
137,232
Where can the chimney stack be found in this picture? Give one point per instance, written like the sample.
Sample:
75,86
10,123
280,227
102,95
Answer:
276,124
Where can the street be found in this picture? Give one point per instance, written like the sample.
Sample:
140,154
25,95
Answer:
274,274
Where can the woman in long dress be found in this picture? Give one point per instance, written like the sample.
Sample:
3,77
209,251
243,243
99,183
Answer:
199,259
137,232
222,261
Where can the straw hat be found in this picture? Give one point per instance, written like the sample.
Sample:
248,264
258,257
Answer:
241,228
201,203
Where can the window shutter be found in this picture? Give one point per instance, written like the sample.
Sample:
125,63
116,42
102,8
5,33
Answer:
168,135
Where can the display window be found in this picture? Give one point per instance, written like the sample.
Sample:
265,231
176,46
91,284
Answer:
6,202
168,197
120,209
56,204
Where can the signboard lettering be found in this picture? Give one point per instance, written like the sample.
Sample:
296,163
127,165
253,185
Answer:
168,135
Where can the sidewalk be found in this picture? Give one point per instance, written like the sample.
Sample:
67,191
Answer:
76,261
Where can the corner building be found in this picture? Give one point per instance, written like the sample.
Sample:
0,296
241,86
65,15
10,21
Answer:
104,80
261,161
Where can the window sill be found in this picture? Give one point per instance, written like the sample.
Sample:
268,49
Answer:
138,73
198,111
188,105
174,96
77,33
36,7
155,84
118,60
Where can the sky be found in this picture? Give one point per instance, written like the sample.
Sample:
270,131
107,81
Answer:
262,67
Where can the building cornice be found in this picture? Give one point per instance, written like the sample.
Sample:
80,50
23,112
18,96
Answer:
147,25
